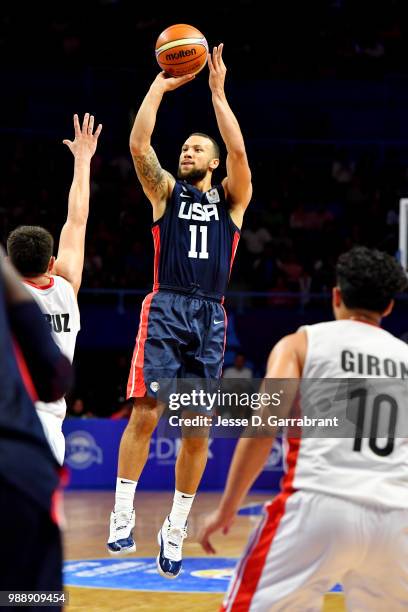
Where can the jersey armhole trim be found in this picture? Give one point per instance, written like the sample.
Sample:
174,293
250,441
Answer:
160,219
234,227
305,330
228,209
168,201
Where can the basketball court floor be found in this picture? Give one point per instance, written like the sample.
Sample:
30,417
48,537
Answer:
98,582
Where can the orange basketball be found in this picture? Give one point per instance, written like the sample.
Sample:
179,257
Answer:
181,49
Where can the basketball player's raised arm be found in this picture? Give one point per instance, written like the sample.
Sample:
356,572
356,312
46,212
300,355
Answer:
70,259
156,182
251,453
237,185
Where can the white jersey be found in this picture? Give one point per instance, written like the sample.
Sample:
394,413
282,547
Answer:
58,303
372,467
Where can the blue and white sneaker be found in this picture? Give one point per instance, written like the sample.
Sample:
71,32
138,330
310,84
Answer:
121,540
170,539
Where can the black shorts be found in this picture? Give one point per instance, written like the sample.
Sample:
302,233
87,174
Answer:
180,336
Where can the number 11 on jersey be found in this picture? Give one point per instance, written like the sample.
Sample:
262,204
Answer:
203,254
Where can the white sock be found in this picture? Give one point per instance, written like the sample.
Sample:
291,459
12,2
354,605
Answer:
125,492
180,510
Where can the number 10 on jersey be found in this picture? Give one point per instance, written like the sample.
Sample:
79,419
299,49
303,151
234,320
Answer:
203,253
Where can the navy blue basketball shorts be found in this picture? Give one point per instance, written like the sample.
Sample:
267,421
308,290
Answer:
180,336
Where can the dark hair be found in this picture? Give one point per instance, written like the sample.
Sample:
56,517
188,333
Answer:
214,143
369,279
30,248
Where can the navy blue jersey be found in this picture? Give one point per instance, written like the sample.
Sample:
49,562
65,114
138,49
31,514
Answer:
25,458
195,242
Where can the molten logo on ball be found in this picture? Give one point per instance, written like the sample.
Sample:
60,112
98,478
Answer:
179,54
181,49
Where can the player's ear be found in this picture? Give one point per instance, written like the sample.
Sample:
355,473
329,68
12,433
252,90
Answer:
51,264
214,163
336,297
389,308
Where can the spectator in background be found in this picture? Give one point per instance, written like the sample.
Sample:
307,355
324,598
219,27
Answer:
322,274
274,216
77,410
280,287
237,379
305,284
342,170
93,264
299,218
292,269
255,236
265,268
238,370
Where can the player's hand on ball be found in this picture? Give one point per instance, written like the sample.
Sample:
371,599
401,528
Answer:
213,522
217,69
86,140
166,82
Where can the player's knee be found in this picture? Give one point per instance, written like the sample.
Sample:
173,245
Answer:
195,445
143,421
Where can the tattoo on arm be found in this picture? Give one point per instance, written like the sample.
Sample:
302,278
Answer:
150,173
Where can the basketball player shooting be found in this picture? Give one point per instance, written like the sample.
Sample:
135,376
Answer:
342,515
54,282
196,228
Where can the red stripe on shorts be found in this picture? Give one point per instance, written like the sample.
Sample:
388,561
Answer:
250,570
136,386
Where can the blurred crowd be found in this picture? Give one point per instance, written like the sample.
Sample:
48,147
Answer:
292,236
301,217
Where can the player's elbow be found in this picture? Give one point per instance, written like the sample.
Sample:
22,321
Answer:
138,146
238,154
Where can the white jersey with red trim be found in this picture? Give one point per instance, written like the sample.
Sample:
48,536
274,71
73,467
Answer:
363,468
58,303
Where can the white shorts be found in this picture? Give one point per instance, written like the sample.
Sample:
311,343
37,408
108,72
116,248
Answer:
52,426
308,542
